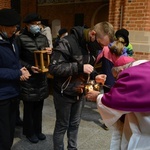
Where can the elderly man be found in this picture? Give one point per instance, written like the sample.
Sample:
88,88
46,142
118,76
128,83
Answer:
129,97
35,90
11,73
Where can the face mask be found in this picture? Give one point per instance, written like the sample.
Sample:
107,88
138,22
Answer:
34,29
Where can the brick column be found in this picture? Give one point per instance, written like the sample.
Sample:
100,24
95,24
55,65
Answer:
5,4
136,19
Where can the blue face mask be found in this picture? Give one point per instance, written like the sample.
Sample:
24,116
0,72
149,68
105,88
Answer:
34,29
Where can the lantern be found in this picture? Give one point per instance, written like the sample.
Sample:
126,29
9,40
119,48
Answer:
42,60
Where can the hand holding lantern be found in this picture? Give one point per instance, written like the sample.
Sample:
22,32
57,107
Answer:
40,61
93,87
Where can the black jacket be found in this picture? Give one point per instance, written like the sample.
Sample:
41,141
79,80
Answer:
67,62
36,88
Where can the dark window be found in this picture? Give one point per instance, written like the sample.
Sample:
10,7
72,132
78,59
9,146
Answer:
79,19
15,4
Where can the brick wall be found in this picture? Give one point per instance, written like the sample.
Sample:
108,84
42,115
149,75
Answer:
135,17
66,12
27,6
5,4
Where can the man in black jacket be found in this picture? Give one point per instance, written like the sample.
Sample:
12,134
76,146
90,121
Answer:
35,90
71,64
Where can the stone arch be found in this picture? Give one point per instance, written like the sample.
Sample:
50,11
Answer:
102,11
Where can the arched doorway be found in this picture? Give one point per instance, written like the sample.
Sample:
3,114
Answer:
101,14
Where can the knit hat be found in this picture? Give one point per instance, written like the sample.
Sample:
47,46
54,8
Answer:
124,34
32,17
9,17
62,31
123,60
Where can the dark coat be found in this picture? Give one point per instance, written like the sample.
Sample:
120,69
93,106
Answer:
36,88
67,62
9,69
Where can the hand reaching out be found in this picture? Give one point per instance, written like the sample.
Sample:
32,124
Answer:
101,78
92,95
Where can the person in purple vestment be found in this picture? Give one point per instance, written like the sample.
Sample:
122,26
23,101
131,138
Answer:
130,96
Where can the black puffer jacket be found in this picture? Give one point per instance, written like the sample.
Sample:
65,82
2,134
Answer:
36,88
67,62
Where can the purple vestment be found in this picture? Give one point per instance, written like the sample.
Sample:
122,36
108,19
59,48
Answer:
131,91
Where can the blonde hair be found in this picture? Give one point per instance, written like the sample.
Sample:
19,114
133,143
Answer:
104,28
122,40
116,48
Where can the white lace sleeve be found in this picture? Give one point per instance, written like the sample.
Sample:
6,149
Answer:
109,115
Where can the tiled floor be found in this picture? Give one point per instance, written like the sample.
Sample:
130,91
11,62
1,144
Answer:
91,134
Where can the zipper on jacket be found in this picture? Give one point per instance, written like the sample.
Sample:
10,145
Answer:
65,84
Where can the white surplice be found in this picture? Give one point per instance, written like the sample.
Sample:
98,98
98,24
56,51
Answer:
133,134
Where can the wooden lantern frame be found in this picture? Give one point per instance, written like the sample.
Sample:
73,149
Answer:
44,61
